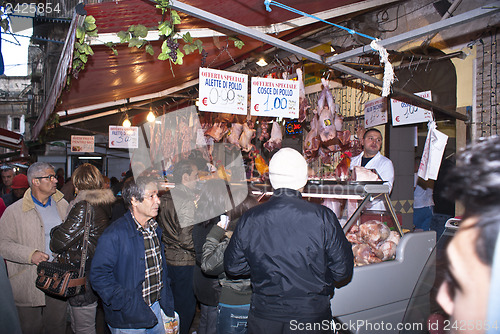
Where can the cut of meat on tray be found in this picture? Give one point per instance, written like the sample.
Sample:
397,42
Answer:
364,174
372,242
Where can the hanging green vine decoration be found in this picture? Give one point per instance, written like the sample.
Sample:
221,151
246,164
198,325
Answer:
136,35
82,49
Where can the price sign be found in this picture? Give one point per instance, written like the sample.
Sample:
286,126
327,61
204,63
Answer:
405,113
375,112
275,98
122,137
223,91
82,143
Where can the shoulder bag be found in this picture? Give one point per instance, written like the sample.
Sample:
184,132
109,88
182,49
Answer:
62,279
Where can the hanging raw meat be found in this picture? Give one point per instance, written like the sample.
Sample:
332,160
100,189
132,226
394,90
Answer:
264,134
345,138
185,134
235,133
327,129
276,138
338,120
303,102
312,142
245,140
217,131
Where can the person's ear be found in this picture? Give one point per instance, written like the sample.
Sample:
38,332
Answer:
185,177
444,299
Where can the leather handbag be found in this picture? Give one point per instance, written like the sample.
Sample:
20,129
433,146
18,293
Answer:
62,279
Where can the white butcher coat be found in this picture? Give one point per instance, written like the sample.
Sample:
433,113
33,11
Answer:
384,168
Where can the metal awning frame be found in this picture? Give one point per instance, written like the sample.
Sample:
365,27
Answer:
331,61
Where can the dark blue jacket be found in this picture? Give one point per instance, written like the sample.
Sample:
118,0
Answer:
117,272
294,251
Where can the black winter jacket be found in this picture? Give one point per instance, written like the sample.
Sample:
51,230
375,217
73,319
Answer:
294,251
67,238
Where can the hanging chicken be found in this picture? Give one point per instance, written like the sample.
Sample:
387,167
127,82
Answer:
246,137
234,134
312,141
276,138
327,129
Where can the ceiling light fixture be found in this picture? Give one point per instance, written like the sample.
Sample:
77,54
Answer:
126,122
262,62
151,116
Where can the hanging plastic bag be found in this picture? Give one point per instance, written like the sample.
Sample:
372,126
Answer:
171,324
433,153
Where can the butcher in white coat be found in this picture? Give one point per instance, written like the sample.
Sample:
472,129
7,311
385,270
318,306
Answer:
372,159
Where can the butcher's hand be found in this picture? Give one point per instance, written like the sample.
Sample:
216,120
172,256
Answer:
38,257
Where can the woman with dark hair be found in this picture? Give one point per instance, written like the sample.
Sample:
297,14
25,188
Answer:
67,238
235,294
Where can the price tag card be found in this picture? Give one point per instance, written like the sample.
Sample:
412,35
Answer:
223,91
375,112
122,137
82,143
404,113
274,98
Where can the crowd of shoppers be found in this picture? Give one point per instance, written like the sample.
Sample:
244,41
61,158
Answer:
251,268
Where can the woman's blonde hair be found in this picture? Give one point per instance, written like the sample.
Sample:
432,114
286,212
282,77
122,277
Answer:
87,177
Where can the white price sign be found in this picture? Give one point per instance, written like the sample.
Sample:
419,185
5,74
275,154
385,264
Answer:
223,91
82,143
275,98
405,113
375,112
122,137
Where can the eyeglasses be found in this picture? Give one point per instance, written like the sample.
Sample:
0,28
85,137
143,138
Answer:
50,177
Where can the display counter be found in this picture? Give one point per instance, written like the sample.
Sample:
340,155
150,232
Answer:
378,294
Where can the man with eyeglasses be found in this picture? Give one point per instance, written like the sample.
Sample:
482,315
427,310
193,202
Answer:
24,242
371,158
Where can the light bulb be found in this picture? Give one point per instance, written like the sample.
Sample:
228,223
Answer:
150,117
126,123
262,62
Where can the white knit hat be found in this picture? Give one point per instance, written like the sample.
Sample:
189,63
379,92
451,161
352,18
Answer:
288,169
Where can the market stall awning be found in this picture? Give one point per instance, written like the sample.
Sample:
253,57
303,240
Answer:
112,83
11,139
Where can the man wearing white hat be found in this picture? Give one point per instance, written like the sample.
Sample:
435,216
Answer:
294,251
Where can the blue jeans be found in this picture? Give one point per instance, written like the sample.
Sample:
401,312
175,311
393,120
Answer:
422,218
232,319
437,223
158,329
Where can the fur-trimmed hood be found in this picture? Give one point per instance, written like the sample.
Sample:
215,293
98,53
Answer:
95,197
